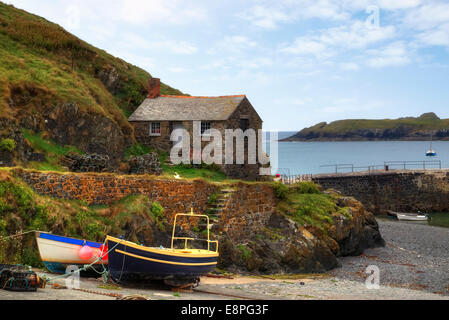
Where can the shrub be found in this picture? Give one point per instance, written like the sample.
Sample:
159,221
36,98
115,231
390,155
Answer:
8,145
307,188
280,190
137,150
157,210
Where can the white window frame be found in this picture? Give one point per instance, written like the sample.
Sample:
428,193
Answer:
201,128
152,128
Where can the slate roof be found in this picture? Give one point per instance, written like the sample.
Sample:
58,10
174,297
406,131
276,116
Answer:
180,108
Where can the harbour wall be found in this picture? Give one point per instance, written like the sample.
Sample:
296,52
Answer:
246,209
404,191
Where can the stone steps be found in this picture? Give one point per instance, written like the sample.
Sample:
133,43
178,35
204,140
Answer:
214,211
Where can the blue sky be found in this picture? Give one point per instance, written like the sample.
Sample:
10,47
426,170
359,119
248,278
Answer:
300,62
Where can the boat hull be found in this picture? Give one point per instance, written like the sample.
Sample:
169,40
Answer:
130,263
58,253
409,216
403,217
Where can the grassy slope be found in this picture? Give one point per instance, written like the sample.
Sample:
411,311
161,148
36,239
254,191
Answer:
36,60
309,206
342,126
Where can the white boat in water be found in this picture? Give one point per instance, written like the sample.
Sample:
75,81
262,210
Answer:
410,216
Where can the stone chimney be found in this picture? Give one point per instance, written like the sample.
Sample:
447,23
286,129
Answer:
154,88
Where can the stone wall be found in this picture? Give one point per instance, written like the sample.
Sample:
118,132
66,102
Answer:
176,196
405,191
248,211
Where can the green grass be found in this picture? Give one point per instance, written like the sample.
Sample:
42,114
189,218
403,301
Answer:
188,172
308,206
50,149
42,65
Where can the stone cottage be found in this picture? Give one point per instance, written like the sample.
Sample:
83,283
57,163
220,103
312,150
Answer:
159,115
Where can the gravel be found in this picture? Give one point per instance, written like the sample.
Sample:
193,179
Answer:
416,256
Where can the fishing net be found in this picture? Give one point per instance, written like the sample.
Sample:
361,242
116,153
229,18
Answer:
19,278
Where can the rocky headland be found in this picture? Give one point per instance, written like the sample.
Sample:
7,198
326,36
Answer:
407,129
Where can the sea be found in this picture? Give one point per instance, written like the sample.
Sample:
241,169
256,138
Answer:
326,157
296,158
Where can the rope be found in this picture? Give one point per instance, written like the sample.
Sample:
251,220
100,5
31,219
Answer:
19,234
104,273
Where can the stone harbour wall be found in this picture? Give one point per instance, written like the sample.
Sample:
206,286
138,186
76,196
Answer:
405,191
176,196
248,211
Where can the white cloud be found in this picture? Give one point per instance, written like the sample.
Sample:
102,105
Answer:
155,11
232,44
132,40
177,69
329,42
395,54
428,16
349,66
270,15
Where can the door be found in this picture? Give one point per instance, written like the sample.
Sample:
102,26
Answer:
178,129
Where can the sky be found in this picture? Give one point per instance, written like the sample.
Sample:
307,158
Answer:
300,62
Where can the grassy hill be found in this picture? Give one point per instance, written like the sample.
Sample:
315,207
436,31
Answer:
43,67
409,128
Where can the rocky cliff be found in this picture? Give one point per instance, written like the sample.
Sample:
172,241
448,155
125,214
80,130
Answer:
55,83
413,129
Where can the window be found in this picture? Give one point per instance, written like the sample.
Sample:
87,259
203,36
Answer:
204,127
244,124
155,129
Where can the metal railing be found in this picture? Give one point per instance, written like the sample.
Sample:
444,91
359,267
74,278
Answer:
388,165
371,169
292,179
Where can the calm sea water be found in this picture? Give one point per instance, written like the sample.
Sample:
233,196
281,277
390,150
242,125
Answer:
310,157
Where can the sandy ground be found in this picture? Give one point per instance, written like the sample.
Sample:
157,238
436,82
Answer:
413,265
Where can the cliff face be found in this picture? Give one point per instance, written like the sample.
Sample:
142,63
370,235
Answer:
414,129
55,83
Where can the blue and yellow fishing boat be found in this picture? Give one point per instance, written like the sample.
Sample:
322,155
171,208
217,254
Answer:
130,262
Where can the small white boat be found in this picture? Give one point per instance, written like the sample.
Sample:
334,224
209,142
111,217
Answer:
57,253
409,216
431,152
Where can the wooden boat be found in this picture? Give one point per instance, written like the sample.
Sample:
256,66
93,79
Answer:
409,216
57,252
129,262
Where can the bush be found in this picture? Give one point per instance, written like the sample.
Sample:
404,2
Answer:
157,210
8,145
137,150
280,190
307,188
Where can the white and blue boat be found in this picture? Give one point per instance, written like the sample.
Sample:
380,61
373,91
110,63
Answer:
431,152
57,252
